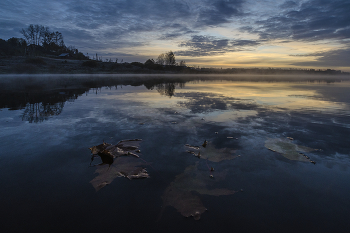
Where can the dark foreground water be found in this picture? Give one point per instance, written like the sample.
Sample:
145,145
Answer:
279,148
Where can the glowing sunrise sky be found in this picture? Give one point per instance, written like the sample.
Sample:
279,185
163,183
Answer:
205,33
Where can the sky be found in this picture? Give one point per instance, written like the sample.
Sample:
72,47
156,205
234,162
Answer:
205,33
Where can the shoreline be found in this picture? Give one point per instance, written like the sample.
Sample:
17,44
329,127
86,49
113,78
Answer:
22,65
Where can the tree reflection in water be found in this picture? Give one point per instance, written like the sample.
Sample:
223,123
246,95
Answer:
45,96
167,89
38,112
42,99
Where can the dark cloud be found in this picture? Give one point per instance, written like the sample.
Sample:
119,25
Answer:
289,4
175,30
104,20
245,43
209,45
247,29
311,21
111,23
334,58
10,28
204,46
136,11
220,11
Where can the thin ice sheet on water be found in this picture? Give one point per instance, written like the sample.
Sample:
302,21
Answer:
288,149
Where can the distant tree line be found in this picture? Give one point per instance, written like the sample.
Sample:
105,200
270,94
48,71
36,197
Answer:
164,62
164,59
13,47
38,40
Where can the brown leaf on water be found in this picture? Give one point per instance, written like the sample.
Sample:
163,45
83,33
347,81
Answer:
181,193
211,153
288,149
124,147
122,161
128,167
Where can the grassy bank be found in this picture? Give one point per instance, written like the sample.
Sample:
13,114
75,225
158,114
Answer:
51,65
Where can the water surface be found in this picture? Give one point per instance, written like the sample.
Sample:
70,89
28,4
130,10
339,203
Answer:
49,122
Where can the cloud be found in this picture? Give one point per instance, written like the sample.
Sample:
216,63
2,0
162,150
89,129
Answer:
219,12
10,28
334,58
288,4
195,25
104,20
204,46
242,43
109,24
311,21
174,31
208,45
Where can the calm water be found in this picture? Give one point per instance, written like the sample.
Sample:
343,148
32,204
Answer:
263,181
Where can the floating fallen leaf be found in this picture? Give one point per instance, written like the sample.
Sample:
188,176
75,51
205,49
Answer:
179,193
288,149
127,167
106,157
124,147
121,164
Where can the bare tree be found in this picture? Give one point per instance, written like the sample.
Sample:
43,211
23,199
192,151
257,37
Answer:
40,35
182,63
46,35
29,34
161,59
58,38
38,29
170,58
166,59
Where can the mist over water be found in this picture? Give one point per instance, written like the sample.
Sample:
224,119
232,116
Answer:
239,153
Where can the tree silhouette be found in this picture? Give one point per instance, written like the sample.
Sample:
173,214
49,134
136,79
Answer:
166,59
170,58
